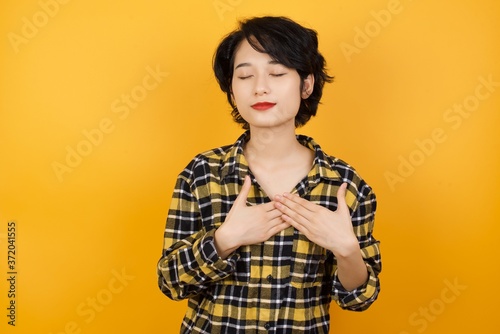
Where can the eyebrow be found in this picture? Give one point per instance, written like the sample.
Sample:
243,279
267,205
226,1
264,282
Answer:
271,62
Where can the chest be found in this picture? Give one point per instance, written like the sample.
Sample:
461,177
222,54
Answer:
276,183
281,178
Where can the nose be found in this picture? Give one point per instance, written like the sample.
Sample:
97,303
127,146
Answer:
261,85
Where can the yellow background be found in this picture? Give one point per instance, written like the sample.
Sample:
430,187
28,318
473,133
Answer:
80,229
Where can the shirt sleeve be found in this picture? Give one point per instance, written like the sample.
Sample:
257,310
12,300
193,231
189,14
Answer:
362,297
189,263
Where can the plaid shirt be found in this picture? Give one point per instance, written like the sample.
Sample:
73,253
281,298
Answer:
283,285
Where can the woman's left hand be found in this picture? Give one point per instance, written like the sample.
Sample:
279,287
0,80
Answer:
329,229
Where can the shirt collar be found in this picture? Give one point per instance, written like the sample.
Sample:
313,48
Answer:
234,162
323,165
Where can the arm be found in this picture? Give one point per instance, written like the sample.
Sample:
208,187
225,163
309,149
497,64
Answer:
193,258
364,295
189,263
348,237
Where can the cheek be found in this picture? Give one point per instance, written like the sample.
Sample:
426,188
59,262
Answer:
291,106
237,90
293,98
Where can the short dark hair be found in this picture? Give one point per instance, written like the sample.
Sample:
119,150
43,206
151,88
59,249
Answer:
285,41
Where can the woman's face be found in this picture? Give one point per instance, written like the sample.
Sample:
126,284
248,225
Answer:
267,94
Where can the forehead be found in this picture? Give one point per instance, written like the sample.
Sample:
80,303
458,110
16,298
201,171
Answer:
245,53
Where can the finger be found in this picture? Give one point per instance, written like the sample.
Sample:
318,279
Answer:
291,204
341,193
245,189
299,201
266,207
293,211
300,227
273,214
278,226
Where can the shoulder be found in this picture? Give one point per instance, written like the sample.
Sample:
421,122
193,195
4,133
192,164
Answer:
214,155
207,160
351,176
340,170
216,161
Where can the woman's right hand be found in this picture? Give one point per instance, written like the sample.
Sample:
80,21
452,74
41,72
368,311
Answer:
247,225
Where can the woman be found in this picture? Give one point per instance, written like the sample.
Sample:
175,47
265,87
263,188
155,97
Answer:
262,234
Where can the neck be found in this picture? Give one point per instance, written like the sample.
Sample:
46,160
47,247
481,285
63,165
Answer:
271,144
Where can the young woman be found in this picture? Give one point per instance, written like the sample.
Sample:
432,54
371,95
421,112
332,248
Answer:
262,234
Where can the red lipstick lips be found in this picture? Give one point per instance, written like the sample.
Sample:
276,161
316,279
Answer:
263,105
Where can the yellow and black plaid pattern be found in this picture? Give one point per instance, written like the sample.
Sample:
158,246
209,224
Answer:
284,285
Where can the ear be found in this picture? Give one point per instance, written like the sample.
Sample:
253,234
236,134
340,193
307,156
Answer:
307,86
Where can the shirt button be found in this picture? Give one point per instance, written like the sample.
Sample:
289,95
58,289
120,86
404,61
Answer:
269,278
267,326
